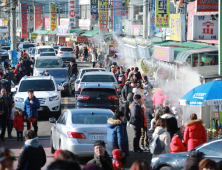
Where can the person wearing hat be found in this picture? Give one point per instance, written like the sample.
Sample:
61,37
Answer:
117,137
72,68
6,159
47,73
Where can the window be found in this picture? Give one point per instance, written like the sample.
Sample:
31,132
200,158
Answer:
82,11
138,10
36,85
63,118
47,54
66,49
57,73
47,63
95,92
213,149
28,45
85,71
46,50
88,12
98,78
90,119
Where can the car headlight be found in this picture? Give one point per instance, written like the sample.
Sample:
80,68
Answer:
64,84
18,99
154,160
54,98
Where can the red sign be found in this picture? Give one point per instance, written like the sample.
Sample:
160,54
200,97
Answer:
62,40
207,5
82,39
47,23
38,17
24,24
72,13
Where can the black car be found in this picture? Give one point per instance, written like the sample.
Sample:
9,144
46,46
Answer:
103,96
211,150
62,78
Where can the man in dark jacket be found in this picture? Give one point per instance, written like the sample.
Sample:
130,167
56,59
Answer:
27,66
32,156
5,110
101,157
85,53
30,110
127,94
72,68
136,121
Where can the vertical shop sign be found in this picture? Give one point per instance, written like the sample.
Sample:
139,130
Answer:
77,13
72,13
207,5
103,16
220,40
177,27
24,20
117,16
94,12
152,18
38,17
162,14
125,6
53,16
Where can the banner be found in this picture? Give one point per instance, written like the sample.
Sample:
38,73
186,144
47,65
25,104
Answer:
152,19
177,27
162,14
163,53
38,17
62,29
24,20
94,12
47,23
103,16
117,27
207,5
125,7
53,16
72,13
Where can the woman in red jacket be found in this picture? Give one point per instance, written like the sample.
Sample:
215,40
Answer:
176,145
18,124
194,134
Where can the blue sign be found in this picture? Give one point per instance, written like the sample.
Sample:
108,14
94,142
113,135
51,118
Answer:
117,21
14,58
152,18
94,11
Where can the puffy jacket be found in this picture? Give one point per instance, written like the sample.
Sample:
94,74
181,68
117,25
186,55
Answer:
117,164
136,118
32,156
18,122
117,137
30,110
176,145
194,134
5,105
158,98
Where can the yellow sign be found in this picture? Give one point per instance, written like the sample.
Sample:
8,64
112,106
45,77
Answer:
162,19
103,16
177,27
5,21
53,16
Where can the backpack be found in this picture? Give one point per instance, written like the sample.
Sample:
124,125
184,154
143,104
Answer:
121,80
155,145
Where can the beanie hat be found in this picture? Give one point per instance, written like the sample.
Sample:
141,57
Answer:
57,153
91,166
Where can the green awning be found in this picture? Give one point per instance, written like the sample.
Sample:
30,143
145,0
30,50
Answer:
100,35
40,32
91,33
75,30
52,32
18,29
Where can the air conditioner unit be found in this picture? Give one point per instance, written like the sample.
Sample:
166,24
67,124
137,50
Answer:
139,17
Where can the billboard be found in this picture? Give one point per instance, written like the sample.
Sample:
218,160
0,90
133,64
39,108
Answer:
163,53
62,29
24,24
177,27
72,13
152,18
162,14
103,16
117,17
207,5
94,12
38,17
53,16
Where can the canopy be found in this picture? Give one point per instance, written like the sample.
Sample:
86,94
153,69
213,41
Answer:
100,35
52,32
40,32
75,30
90,33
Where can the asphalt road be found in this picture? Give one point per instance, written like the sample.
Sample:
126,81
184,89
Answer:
45,126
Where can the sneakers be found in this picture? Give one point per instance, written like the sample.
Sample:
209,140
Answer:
151,129
138,150
142,148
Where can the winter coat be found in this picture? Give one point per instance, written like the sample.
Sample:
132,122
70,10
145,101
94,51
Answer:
172,126
117,137
125,91
72,69
138,75
176,145
158,114
164,137
136,118
30,110
116,161
5,105
18,122
148,103
103,162
147,87
194,134
93,57
158,98
32,156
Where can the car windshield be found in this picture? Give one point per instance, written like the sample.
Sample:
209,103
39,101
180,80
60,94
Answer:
28,45
98,78
33,51
89,70
47,54
95,92
88,118
57,73
66,49
55,47
47,63
46,50
36,85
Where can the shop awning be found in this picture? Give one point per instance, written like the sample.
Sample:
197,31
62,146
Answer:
182,56
40,32
52,32
207,71
91,33
100,35
75,30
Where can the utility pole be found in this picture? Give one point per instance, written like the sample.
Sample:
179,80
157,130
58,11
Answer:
145,19
13,25
58,14
8,7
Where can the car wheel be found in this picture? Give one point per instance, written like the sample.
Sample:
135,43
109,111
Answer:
166,168
51,144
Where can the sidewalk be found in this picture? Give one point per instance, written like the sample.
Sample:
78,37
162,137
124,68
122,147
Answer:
15,147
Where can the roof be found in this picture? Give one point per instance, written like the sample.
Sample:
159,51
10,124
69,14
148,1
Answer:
95,110
37,77
100,35
99,85
56,68
52,32
75,30
92,69
90,33
48,57
47,46
98,73
207,71
40,32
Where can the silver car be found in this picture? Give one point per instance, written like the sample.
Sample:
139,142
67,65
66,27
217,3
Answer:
66,53
76,130
47,54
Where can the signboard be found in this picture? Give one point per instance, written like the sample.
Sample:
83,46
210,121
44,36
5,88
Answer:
62,40
177,27
162,14
163,74
125,7
143,52
72,13
62,29
103,16
207,5
82,39
163,53
24,24
53,16
131,51
84,23
5,21
38,17
152,19
64,21
47,23
203,28
94,12
117,17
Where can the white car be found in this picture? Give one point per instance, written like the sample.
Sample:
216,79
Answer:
45,90
41,49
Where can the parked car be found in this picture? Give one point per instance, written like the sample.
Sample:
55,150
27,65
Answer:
30,50
62,78
41,49
66,53
32,53
47,54
56,49
25,46
76,130
211,150
5,48
45,89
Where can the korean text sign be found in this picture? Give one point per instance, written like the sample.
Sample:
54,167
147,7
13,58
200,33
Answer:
162,13
117,16
152,18
24,20
177,27
125,6
53,16
38,17
207,5
94,11
163,53
103,16
72,13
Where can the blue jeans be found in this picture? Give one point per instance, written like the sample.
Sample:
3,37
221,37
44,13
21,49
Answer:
9,127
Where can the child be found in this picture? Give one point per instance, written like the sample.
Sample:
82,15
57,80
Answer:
117,164
176,145
10,121
18,124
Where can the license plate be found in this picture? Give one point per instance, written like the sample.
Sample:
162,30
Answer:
40,109
97,137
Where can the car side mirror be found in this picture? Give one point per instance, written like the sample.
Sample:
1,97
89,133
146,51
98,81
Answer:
13,89
60,88
52,120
